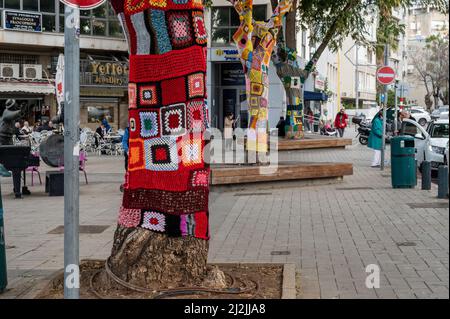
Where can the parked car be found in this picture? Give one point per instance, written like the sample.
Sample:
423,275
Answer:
436,114
430,144
421,116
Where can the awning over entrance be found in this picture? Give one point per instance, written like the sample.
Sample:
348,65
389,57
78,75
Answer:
27,87
315,96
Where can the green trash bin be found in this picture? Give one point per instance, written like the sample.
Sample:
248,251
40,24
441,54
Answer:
3,275
403,162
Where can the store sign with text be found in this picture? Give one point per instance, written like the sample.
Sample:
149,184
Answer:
109,73
22,21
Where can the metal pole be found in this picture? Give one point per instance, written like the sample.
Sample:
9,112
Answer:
71,152
356,82
396,110
383,139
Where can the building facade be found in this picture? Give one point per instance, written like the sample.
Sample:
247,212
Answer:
225,77
423,22
31,39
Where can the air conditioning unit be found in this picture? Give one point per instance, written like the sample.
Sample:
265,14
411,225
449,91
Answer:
32,71
9,70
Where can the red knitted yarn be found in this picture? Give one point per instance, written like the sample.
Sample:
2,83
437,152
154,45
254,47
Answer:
176,63
176,203
167,181
134,6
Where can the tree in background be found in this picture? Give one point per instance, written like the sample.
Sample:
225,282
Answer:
255,41
331,22
431,63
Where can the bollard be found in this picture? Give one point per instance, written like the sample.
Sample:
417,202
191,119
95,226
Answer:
443,181
3,274
426,175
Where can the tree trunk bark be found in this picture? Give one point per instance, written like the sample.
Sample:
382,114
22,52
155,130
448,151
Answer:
148,259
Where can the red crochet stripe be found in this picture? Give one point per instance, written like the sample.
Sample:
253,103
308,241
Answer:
175,63
176,203
177,181
134,6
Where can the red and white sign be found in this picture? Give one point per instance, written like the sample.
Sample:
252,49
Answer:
83,4
385,75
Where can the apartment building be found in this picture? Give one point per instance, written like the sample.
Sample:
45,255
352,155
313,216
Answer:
423,22
31,39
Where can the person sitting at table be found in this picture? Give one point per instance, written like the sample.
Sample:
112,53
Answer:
44,127
101,132
26,129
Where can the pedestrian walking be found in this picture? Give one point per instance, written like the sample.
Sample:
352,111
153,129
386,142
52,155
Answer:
281,126
375,139
228,131
341,122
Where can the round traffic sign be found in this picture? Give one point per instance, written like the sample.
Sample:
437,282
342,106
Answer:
83,4
385,75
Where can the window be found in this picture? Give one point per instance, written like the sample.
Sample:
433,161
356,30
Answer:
12,4
437,25
225,21
31,5
440,131
96,114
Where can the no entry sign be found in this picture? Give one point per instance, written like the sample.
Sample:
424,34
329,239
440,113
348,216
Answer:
385,75
83,4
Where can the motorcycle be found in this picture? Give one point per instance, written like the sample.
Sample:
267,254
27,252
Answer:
364,129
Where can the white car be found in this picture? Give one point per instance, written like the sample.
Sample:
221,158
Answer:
421,116
430,144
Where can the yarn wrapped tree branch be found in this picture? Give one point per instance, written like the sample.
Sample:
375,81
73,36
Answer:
255,41
163,229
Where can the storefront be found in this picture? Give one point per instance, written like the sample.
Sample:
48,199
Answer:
36,96
103,93
227,93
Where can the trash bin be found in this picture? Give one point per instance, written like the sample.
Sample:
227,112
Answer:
3,275
403,162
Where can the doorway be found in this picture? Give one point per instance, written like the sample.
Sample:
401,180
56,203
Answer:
234,100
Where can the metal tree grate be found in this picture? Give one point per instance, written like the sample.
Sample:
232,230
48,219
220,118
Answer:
353,188
83,229
429,205
280,252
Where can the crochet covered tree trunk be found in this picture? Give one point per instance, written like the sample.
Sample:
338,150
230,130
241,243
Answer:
163,232
255,41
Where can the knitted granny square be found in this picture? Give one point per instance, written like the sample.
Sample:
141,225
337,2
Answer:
148,95
179,28
149,123
256,88
254,101
154,221
196,85
173,120
201,37
129,217
173,91
195,116
191,151
135,154
132,95
200,178
161,154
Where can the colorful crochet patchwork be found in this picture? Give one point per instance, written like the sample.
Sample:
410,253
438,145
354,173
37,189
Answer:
167,182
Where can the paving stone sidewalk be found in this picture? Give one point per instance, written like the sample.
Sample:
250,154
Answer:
331,232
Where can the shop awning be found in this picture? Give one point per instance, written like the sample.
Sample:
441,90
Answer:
315,96
27,87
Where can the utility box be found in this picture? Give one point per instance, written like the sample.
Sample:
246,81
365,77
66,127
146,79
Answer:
403,162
